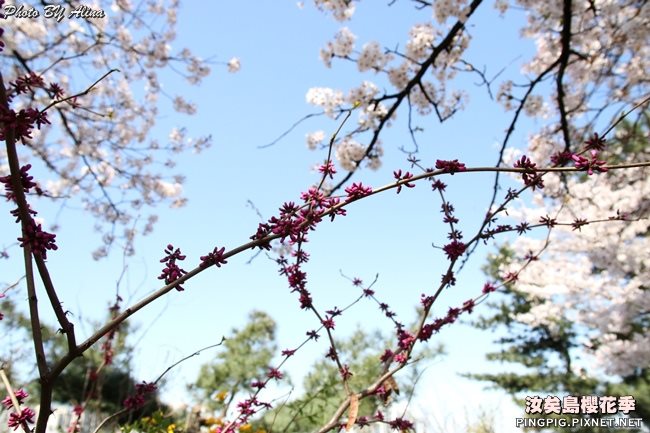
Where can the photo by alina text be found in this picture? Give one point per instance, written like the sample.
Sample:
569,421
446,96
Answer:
56,12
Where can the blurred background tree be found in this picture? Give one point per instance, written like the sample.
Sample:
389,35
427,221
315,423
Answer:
554,354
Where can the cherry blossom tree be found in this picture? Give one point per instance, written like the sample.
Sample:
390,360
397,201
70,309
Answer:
587,74
554,310
101,151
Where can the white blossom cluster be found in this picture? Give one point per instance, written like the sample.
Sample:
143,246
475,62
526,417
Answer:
420,41
396,69
504,95
234,65
341,10
611,50
341,46
329,99
446,9
364,93
183,106
108,147
349,153
315,139
373,57
372,115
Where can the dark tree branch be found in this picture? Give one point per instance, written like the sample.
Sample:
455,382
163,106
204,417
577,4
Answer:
564,60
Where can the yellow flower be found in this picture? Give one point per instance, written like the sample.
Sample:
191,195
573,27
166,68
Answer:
245,428
212,421
149,420
171,428
221,395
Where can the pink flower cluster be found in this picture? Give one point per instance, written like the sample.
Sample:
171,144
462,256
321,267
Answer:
19,416
137,400
172,272
38,240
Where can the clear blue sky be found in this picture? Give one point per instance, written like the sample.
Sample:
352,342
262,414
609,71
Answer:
278,44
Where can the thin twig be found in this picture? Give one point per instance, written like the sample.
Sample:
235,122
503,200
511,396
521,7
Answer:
85,92
291,128
196,353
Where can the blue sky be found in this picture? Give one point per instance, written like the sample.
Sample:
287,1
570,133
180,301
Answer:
278,44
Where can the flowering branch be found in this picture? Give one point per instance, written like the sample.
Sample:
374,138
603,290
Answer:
16,183
296,221
19,417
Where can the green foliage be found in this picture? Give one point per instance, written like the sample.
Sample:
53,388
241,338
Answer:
16,348
631,139
247,357
108,390
102,388
105,393
88,378
157,422
324,389
637,386
13,318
